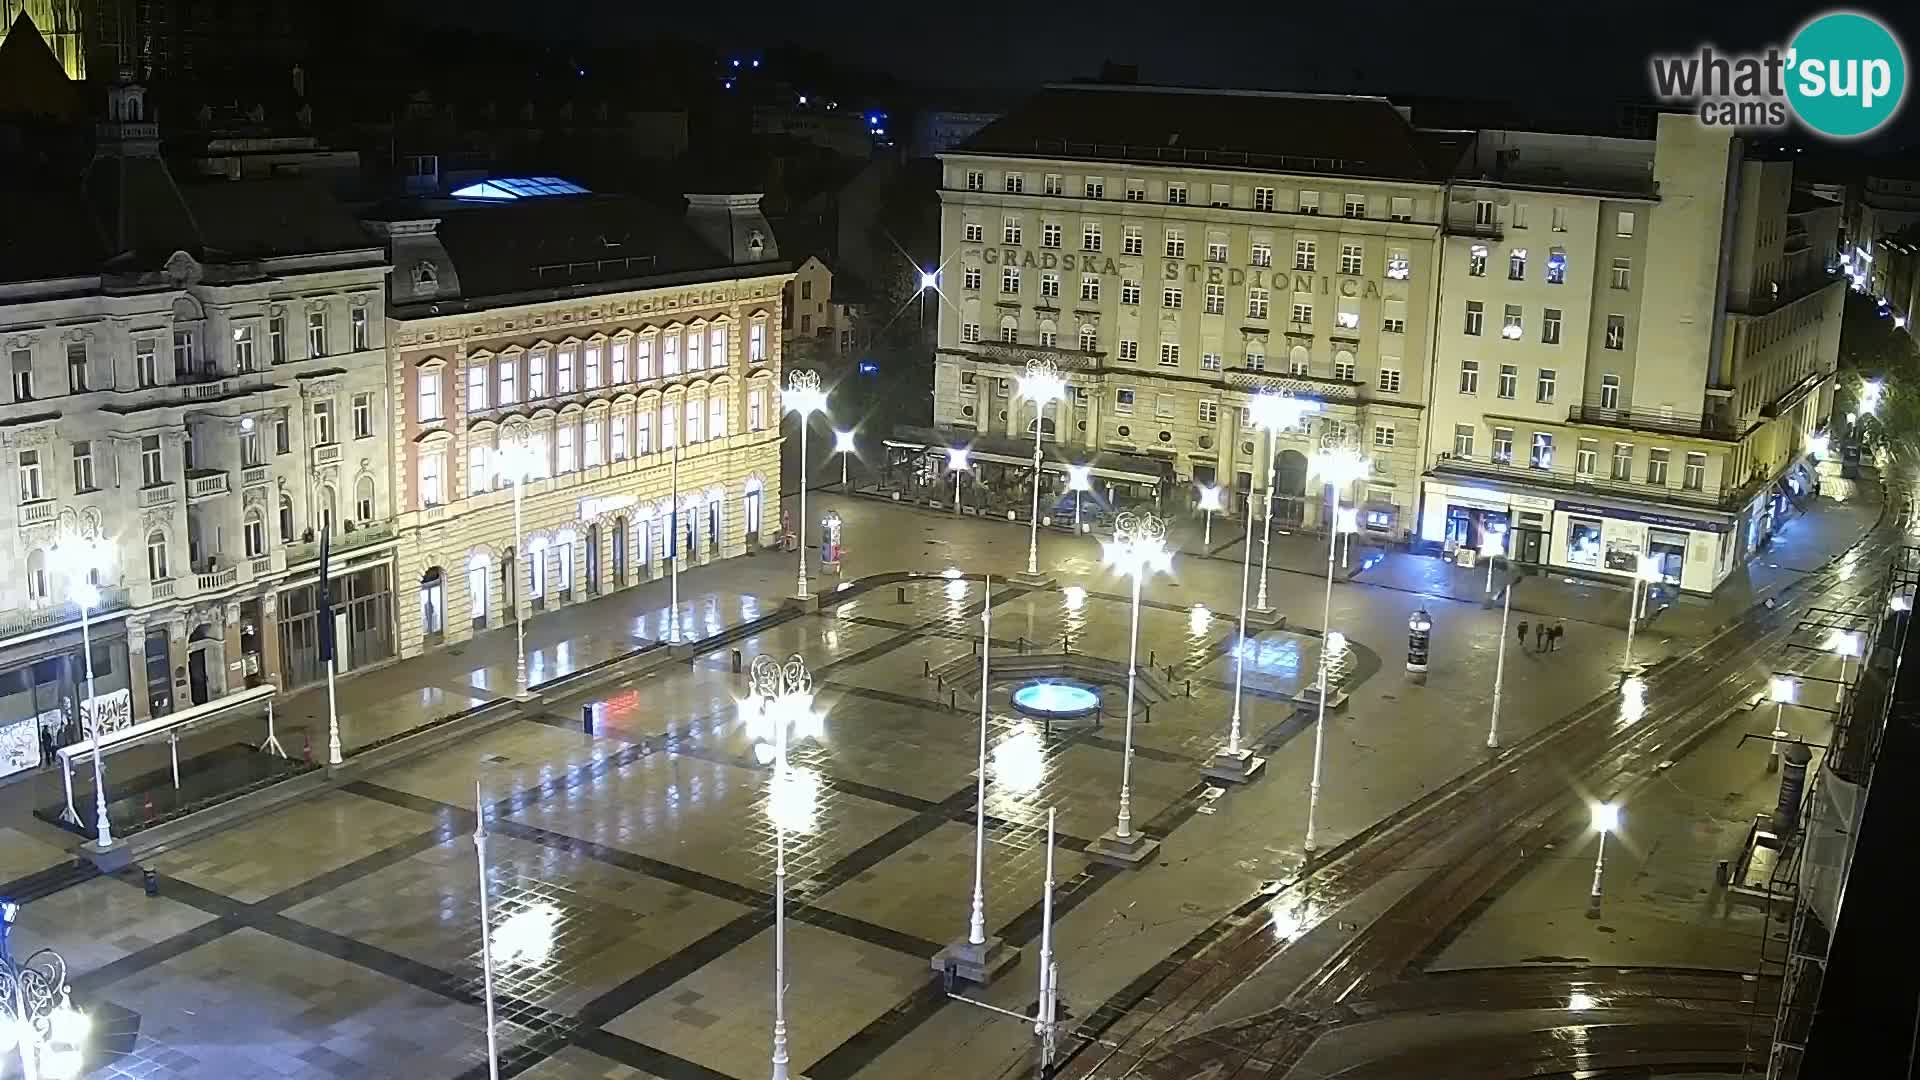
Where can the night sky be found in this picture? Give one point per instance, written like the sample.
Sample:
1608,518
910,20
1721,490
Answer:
1505,49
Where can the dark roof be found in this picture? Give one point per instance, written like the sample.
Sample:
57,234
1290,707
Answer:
563,240
139,212
1803,201
280,216
32,82
1356,136
51,237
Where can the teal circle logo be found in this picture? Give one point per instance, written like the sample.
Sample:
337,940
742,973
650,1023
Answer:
1846,74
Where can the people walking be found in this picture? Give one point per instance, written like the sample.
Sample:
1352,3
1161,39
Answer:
1559,631
1523,633
1540,637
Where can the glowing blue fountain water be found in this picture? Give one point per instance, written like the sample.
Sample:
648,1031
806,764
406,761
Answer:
1057,700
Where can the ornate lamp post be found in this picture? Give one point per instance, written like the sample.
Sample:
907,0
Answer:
1273,413
782,697
956,464
1846,645
80,559
37,1017
1339,467
517,464
804,397
1237,763
1606,819
1041,385
1138,548
843,445
1494,546
1079,479
1209,502
1647,574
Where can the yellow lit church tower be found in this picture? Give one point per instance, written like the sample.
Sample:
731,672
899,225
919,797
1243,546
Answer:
59,24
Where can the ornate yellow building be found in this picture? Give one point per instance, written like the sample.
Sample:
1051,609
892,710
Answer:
59,24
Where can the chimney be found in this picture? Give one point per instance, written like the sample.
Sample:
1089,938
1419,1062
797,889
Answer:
733,225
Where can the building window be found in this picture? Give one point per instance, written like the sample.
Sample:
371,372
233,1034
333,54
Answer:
1695,476
1559,219
1049,286
322,422
1477,261
1128,351
1096,187
1170,298
509,382
717,346
316,334
1304,254
1509,381
153,470
1089,288
1299,361
1351,256
30,487
1610,391
1517,265
1209,413
1129,292
1010,279
1053,184
1389,381
1257,303
146,365
1256,358
479,469
1050,234
1356,206
1176,193
971,278
1544,385
1123,402
1347,314
976,180
22,375
1483,212
1209,361
717,417
1383,435
1399,264
1586,458
1016,183
183,352
1622,273
757,341
1010,231
1463,440
83,466
1132,241
286,519
1556,267
1541,456
617,359
432,490
1302,313
1010,332
363,415
1176,244
592,360
1550,326
563,365
1048,337
357,325
969,332
255,532
1090,236
1260,254
277,339
1657,466
1089,339
1476,317
590,443
429,395
477,386
1169,354
157,556
282,439
1309,202
1511,328
77,368
1622,461
1343,367
1263,198
1469,376
1623,223
974,232
363,498
1400,209
1217,251
1163,406
1616,332
1503,446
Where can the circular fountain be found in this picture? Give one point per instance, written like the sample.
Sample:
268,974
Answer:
1057,699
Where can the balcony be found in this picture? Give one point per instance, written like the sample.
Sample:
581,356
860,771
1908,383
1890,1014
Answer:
358,537
262,566
1663,421
156,495
26,621
38,512
163,590
217,579
327,454
1066,359
208,391
257,476
1304,386
1485,230
205,484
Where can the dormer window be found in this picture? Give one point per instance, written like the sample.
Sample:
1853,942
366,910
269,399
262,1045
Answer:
425,276
756,243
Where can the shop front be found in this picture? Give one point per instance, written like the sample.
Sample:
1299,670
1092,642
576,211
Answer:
1461,517
42,686
362,619
1693,554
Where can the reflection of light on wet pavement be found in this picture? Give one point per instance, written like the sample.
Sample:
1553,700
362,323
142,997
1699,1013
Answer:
1019,761
1579,1001
1633,699
1074,597
950,573
956,590
1290,919
1198,619
525,938
792,796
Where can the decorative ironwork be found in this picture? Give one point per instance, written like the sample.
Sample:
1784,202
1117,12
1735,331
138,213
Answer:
771,678
803,382
1132,529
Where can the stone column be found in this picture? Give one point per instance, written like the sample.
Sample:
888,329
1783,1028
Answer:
141,708
177,662
233,652
270,638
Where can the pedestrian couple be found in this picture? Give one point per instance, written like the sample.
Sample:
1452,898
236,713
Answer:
1545,638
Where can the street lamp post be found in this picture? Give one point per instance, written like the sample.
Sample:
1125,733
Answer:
1844,644
1781,690
977,957
1340,468
1273,413
516,465
1236,762
1041,385
1645,574
80,558
1494,545
783,694
956,464
1079,479
843,445
486,929
804,397
37,1017
1209,502
1606,819
1138,548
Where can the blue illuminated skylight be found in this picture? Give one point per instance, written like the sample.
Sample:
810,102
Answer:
519,187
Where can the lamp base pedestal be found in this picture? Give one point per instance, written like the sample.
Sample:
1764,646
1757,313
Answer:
1238,768
978,964
809,603
1124,852
107,860
1034,581
1266,619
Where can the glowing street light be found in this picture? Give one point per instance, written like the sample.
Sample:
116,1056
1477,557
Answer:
1846,645
929,279
1041,385
518,463
1272,413
1339,467
37,1017
1138,548
843,445
1870,392
1606,819
1209,502
81,559
1493,545
1782,690
1647,574
805,397
956,464
1079,479
783,695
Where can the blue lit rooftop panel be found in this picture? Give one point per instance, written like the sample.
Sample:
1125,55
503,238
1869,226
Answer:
519,187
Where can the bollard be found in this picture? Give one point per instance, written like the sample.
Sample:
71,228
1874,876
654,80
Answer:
737,659
1146,713
1721,872
586,719
1170,675
926,667
1151,662
150,881
900,594
953,700
939,683
1189,687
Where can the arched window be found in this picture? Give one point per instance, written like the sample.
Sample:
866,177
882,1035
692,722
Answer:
255,530
286,518
564,542
433,603
363,499
537,570
157,556
327,503
1089,339
37,586
1299,361
1009,329
477,564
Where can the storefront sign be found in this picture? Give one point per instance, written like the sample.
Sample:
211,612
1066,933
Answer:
1173,270
1644,516
605,504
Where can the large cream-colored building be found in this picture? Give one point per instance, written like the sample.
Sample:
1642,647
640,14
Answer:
196,376
600,334
1176,252
1635,345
